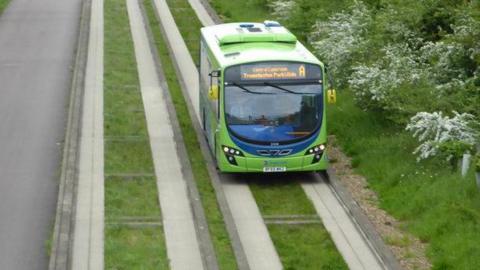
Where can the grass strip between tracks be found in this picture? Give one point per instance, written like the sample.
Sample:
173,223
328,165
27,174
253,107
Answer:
136,196
221,240
299,246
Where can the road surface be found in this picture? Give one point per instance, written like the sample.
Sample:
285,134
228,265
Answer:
37,45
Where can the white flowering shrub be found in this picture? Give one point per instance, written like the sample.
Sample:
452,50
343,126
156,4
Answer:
445,62
376,82
438,70
337,39
281,9
398,65
434,130
467,31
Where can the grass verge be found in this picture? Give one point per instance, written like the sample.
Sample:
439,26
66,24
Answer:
127,152
221,241
433,202
274,196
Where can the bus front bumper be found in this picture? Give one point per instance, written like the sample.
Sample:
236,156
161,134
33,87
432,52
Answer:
270,165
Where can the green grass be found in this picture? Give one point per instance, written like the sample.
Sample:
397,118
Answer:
287,195
127,151
241,11
435,203
305,247
218,232
133,248
128,156
276,196
131,198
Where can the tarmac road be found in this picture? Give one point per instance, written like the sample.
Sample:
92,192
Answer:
37,45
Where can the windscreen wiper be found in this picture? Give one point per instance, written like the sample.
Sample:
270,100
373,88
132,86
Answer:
279,87
285,89
248,90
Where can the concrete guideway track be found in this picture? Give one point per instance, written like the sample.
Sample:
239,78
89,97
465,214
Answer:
178,224
183,58
88,244
348,239
254,237
202,13
37,44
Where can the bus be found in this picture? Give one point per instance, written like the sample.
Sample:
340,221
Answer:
262,99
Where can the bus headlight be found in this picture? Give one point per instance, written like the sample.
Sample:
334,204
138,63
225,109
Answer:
317,152
230,154
232,151
317,149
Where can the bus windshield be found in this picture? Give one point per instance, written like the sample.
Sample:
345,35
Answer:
273,112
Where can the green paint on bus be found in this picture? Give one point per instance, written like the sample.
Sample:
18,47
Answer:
262,99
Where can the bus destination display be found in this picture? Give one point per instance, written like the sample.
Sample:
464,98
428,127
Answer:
278,71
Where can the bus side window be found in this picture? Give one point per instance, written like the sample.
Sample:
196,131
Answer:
215,87
204,68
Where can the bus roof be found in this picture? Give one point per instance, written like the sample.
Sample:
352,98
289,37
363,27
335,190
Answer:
237,43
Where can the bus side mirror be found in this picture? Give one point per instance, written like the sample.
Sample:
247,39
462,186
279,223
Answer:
213,92
332,96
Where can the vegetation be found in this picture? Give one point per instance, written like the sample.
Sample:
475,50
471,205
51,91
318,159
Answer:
216,225
305,247
394,60
135,248
442,134
127,153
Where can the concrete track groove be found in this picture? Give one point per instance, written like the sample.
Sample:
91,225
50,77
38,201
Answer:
178,224
88,242
189,73
347,237
253,233
201,12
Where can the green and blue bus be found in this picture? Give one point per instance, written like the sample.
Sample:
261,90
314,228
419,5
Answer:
262,99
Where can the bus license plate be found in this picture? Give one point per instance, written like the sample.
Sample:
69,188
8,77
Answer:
274,169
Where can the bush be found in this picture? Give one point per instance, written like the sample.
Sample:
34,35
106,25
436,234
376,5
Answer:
339,39
400,59
442,135
396,85
452,151
281,9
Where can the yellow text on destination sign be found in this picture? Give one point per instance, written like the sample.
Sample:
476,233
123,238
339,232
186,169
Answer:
274,73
